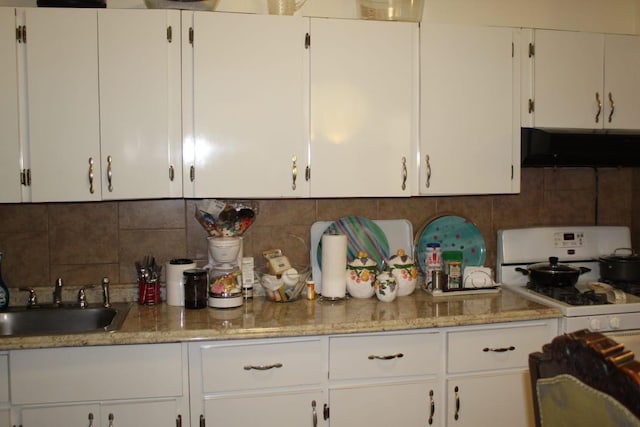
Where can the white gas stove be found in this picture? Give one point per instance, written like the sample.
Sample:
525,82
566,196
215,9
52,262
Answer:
578,247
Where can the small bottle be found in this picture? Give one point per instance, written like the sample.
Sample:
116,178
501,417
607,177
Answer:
432,261
4,290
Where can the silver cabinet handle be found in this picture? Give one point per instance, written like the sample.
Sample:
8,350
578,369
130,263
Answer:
110,173
111,420
599,104
192,173
315,413
90,419
428,164
387,357
499,349
262,367
172,173
294,171
91,190
432,406
613,107
457,414
404,173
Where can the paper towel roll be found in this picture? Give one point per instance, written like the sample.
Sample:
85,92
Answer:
334,266
175,280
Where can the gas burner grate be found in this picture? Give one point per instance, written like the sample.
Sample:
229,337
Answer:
569,294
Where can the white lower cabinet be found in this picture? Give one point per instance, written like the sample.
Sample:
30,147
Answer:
5,418
257,382
104,386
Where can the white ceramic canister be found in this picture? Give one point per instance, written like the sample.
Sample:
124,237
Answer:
175,279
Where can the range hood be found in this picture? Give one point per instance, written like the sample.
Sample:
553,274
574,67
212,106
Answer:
540,148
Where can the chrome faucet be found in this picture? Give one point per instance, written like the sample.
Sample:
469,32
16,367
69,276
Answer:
32,300
105,292
82,298
57,292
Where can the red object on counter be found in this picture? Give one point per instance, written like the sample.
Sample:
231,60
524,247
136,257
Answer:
148,292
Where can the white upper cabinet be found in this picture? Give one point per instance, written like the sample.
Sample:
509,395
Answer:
469,97
62,109
581,81
10,157
364,97
140,129
245,105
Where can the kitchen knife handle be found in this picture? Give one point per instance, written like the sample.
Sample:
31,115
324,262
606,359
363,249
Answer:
91,190
613,107
387,357
599,104
404,173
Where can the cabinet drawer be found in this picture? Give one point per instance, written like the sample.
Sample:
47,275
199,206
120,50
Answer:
499,348
96,373
4,378
384,355
257,366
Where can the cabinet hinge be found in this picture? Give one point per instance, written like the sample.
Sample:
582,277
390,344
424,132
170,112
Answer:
307,174
325,412
169,34
307,41
191,35
532,50
25,177
21,34
532,106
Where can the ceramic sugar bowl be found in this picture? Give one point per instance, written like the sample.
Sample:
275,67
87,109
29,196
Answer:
361,276
404,269
386,287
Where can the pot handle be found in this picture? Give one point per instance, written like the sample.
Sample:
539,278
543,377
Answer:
631,253
584,270
523,270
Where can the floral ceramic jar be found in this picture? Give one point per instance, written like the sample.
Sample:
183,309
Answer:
361,276
404,269
386,287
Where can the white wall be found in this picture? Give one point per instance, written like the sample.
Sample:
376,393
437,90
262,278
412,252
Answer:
612,16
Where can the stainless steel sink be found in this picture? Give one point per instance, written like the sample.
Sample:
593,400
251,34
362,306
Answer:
50,320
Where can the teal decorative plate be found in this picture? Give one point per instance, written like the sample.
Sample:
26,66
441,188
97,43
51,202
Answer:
454,233
362,235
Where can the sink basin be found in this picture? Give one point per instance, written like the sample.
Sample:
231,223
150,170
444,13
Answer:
49,320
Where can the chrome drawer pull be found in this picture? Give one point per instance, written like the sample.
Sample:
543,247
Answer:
388,357
262,367
499,350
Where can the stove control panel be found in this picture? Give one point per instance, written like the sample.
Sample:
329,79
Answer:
574,239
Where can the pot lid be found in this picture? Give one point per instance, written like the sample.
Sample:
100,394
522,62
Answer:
618,255
553,267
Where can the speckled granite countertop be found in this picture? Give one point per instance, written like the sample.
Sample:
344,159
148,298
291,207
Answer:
263,319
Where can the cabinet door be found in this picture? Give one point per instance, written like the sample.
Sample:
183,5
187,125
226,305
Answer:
60,416
297,409
622,82
246,126
363,107
568,80
5,418
492,400
470,133
9,131
142,414
140,103
62,103
384,405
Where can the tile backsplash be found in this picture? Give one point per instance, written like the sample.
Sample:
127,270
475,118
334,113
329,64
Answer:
83,242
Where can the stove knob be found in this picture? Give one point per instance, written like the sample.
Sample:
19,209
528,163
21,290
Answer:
614,323
595,324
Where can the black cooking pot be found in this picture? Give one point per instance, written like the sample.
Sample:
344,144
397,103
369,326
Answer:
553,273
620,266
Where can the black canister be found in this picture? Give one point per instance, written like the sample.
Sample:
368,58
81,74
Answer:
196,289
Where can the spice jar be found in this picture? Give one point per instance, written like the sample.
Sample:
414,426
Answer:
196,287
453,268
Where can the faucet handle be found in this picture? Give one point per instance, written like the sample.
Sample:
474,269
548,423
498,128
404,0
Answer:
57,292
105,292
32,300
